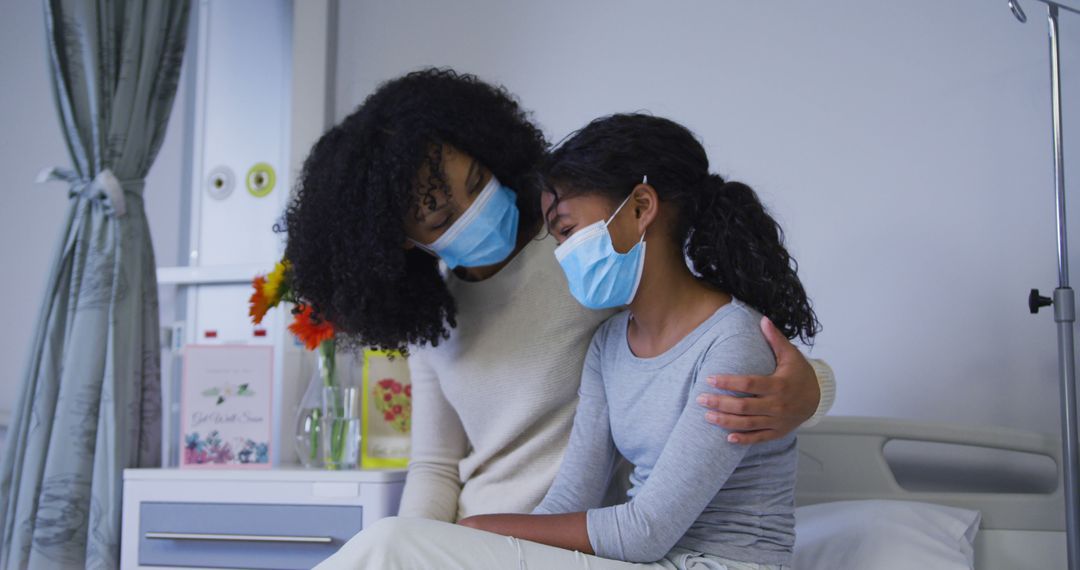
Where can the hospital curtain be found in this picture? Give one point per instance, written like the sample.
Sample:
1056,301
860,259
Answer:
90,401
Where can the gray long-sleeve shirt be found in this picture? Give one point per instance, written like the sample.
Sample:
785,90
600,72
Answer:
690,487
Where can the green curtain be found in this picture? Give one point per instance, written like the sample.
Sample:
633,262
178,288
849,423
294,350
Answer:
90,402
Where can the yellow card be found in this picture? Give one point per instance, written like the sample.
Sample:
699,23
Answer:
387,411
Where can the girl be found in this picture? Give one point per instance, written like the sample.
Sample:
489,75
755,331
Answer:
439,167
642,222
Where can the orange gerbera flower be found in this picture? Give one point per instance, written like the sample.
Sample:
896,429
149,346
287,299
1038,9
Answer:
258,303
310,328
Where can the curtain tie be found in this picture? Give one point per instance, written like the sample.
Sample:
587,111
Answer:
105,186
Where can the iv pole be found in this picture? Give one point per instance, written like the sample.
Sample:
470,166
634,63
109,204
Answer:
1063,300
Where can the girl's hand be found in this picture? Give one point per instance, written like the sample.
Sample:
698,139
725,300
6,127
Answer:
476,522
779,403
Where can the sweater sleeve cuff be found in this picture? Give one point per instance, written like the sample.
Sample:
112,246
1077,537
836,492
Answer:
827,384
596,522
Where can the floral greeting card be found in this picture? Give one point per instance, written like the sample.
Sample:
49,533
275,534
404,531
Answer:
225,406
387,410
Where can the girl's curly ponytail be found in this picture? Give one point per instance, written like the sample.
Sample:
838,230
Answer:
734,244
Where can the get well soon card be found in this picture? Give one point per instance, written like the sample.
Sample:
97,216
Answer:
225,406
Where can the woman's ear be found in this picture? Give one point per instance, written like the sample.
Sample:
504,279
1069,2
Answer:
646,204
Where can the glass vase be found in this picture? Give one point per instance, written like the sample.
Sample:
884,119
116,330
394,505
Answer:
341,427
313,410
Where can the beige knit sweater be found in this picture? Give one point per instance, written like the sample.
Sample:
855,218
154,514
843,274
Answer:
494,404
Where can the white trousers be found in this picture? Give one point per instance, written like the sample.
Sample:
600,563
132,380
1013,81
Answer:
420,544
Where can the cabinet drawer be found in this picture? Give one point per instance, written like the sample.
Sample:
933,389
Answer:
235,535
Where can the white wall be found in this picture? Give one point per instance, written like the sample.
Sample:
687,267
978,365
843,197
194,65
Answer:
903,145
31,214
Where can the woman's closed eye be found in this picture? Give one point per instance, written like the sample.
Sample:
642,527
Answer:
444,223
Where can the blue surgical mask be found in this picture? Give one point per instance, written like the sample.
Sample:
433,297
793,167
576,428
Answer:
485,234
599,276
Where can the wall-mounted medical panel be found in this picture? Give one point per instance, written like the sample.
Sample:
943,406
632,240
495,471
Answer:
241,144
222,318
243,114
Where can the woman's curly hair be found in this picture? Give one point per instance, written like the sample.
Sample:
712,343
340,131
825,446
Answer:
727,234
345,223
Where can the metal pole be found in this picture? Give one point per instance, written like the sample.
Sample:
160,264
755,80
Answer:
1059,164
1064,313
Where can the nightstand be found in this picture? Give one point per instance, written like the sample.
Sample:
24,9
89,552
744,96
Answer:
276,518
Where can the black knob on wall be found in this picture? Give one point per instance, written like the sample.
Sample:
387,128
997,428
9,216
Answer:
1037,301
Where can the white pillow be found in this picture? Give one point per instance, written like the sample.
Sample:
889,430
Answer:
884,535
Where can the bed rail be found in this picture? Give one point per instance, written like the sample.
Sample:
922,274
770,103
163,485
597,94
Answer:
843,458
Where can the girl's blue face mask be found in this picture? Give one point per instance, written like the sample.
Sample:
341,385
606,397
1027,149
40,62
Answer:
485,234
599,276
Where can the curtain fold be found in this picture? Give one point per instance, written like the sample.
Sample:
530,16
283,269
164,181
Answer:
90,402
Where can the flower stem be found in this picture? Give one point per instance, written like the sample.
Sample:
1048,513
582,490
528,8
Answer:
335,409
328,362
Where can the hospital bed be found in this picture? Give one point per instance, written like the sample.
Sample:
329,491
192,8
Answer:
872,494
916,471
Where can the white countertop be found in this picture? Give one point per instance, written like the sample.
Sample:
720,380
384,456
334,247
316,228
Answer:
287,473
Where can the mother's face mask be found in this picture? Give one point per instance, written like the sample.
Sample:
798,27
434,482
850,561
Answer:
474,224
484,234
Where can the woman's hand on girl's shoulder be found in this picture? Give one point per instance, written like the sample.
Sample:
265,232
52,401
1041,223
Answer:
778,403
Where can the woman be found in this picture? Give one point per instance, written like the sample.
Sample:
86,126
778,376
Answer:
697,500
436,165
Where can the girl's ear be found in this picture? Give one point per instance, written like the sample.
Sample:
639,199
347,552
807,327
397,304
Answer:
646,204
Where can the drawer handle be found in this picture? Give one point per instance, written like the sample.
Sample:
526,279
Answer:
239,537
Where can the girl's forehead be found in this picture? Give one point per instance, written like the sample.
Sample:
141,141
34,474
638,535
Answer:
577,200
576,206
